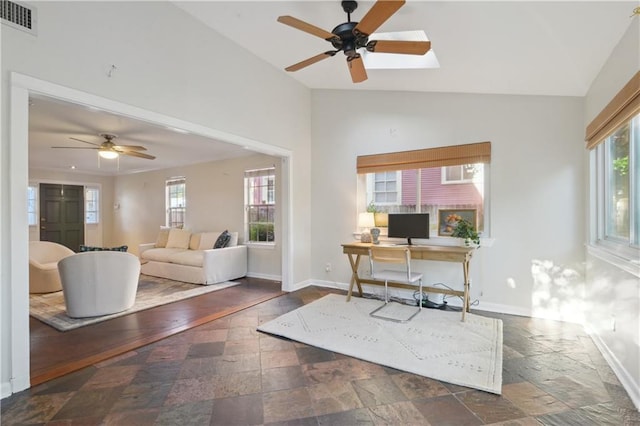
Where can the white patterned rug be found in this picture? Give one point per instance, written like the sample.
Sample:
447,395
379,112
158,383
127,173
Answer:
435,343
152,291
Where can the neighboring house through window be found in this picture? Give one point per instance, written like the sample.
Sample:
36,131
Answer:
92,205
384,187
260,205
427,181
176,201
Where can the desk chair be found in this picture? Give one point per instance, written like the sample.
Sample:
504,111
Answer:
393,255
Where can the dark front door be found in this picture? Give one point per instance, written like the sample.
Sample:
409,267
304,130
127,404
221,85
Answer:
62,214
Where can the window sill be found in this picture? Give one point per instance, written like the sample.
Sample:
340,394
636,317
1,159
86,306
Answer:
631,266
266,246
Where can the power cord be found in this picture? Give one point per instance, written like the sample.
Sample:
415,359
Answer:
426,303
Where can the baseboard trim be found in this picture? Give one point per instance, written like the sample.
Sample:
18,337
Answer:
300,285
407,294
5,390
632,387
264,276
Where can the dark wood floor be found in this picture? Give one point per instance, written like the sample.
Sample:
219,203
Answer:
55,353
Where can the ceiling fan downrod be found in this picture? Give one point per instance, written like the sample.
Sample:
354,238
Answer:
349,6
349,41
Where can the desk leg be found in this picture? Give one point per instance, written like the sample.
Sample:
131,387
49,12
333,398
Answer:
465,302
354,275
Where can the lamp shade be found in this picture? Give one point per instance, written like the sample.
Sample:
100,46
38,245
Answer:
365,220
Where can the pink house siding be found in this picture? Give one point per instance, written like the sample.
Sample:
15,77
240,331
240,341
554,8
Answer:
434,192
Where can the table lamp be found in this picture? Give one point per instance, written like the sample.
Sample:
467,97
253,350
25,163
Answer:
365,221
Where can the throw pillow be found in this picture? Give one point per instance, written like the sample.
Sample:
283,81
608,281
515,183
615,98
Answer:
179,238
223,240
194,242
163,237
208,240
84,248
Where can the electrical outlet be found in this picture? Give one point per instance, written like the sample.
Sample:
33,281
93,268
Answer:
327,267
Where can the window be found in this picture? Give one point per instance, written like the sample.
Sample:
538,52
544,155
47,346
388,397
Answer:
32,204
385,188
618,194
463,173
260,205
92,205
426,181
176,201
614,140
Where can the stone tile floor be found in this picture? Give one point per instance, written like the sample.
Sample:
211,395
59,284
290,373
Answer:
226,373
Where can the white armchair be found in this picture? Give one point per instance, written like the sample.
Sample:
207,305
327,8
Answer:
99,283
43,266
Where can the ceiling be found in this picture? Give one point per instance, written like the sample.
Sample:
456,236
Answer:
506,47
503,47
54,123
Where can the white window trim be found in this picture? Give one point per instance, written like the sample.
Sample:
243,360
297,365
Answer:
619,254
99,210
260,244
35,185
176,180
445,181
371,186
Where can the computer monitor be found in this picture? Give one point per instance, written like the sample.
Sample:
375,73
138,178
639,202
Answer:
408,225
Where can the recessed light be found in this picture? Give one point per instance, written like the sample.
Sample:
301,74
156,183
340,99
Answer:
72,167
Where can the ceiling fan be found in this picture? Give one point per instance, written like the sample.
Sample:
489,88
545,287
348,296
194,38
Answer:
350,36
110,150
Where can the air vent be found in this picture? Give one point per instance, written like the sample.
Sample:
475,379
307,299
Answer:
18,16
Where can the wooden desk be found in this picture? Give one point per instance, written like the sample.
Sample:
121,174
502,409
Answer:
461,255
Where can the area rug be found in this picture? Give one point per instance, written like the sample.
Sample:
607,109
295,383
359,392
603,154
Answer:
152,291
435,343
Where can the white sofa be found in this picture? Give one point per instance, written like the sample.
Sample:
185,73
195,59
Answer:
190,257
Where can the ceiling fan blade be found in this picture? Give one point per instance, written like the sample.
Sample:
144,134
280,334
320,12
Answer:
80,140
310,61
73,147
399,46
379,12
306,27
356,68
137,154
130,147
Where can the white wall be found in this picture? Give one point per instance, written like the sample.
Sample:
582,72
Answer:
536,202
215,202
613,293
167,63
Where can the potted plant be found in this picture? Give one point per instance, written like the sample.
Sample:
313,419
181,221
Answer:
381,219
465,230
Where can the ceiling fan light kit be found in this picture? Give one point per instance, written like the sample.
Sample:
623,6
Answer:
350,36
107,154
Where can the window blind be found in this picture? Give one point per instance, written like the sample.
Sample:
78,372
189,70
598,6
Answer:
424,158
622,107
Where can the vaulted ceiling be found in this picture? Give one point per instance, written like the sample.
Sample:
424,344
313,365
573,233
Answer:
503,47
